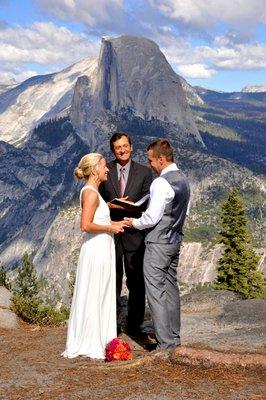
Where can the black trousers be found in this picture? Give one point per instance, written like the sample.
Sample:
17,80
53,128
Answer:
133,262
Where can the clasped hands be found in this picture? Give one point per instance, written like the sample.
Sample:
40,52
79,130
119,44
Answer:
128,222
118,226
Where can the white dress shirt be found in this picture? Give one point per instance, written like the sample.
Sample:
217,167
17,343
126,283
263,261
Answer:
161,193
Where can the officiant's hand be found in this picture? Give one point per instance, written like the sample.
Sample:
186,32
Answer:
116,206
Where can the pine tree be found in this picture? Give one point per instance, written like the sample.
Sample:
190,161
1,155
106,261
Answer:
27,284
238,265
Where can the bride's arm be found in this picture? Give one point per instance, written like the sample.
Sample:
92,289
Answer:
90,202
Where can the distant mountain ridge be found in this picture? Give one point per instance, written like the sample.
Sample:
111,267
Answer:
254,88
233,126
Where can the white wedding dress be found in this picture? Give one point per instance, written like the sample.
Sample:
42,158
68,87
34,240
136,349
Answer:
92,322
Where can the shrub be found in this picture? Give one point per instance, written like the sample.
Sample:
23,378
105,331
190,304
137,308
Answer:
26,298
202,287
34,311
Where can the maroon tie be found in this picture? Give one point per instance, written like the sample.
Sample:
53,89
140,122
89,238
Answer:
122,182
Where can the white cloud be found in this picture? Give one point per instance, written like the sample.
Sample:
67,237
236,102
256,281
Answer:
250,56
176,49
206,13
90,12
44,44
204,61
19,77
196,71
241,57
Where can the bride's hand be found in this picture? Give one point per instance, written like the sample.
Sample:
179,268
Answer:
117,226
116,229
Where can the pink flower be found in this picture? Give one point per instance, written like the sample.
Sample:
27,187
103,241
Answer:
117,350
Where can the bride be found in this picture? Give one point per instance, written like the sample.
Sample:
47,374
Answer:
92,322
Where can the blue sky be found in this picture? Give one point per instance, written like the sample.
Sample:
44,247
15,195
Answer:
219,44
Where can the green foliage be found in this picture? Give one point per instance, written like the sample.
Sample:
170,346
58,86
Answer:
218,130
26,283
202,287
202,233
26,300
4,281
237,267
126,121
204,227
55,131
234,128
34,311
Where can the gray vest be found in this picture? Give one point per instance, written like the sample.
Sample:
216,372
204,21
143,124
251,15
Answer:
169,228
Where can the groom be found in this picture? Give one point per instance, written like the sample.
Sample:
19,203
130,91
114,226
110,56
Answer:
128,178
164,219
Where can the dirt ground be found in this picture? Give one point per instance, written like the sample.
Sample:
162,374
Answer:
32,368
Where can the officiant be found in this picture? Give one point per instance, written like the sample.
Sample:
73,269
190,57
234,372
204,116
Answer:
131,180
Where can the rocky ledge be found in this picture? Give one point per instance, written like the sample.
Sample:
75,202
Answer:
221,321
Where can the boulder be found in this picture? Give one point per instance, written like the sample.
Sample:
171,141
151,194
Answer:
8,319
5,297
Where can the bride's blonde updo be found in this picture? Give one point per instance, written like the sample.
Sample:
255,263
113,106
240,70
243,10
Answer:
87,164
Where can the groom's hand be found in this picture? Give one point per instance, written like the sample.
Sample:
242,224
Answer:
128,222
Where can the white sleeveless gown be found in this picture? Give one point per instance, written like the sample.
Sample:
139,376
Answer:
92,322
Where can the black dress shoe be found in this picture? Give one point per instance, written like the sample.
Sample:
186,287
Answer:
150,346
137,334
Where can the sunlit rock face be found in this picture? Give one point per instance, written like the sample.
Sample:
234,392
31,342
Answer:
133,80
37,99
129,79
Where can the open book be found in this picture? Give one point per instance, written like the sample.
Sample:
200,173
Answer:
129,205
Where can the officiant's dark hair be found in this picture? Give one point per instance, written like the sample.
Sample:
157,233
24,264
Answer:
162,147
116,136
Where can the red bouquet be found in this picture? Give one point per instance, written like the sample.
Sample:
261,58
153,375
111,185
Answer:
117,350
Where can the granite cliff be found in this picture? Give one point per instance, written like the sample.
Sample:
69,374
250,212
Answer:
133,80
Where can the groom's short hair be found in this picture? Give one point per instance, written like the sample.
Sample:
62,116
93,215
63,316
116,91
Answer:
162,147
